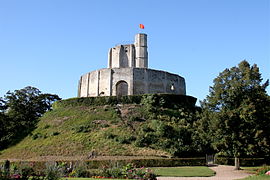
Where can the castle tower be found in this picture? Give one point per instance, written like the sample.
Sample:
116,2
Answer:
128,74
141,54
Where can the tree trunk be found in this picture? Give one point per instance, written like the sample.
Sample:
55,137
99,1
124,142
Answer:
236,163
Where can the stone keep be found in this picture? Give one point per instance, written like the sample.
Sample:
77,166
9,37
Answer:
128,74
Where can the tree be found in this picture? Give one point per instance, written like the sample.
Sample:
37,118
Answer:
20,111
238,111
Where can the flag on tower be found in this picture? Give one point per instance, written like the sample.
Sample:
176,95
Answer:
141,26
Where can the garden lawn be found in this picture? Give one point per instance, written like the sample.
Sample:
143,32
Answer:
195,171
257,177
253,170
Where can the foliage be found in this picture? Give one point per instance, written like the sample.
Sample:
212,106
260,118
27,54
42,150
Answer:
128,171
53,171
147,162
25,172
263,170
80,170
243,161
236,114
171,130
6,168
162,100
19,113
258,177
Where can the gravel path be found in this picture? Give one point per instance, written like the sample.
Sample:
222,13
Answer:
222,173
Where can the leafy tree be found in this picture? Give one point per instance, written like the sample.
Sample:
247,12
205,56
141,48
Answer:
238,113
20,111
170,130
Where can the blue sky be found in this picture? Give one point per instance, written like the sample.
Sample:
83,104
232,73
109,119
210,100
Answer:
49,44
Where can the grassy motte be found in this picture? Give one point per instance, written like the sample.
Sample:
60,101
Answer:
195,171
77,128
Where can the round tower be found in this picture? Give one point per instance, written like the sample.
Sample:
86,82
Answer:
141,54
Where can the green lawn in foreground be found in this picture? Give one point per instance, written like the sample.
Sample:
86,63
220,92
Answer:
255,177
253,170
195,171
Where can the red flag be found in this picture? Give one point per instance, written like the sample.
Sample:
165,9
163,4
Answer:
141,26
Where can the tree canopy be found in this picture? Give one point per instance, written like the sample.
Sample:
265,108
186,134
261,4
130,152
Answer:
237,112
19,113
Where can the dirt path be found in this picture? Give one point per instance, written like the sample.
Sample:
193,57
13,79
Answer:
222,173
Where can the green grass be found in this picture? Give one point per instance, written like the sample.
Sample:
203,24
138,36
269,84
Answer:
251,170
78,130
256,177
195,171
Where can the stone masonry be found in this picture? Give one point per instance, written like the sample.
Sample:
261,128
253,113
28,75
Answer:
128,74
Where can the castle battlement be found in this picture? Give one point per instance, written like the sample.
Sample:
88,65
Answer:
130,55
128,74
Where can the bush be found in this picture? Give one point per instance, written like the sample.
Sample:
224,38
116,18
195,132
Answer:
53,171
55,133
263,170
128,171
36,136
6,168
243,161
80,170
158,162
125,139
113,172
26,172
161,100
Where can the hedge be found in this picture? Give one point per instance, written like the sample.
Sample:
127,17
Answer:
169,100
243,161
95,164
149,162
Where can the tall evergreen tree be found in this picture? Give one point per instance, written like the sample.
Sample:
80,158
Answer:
238,113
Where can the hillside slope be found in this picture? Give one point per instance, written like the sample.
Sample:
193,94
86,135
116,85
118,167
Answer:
81,130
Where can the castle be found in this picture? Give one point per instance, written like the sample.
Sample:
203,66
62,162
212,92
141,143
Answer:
128,74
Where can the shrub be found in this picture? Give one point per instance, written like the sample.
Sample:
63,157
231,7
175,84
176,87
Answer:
243,161
160,100
26,172
47,126
146,139
6,168
128,171
36,136
82,128
55,133
109,135
125,139
113,172
263,170
53,171
80,170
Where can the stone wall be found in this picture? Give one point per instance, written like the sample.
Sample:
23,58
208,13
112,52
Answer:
130,55
122,74
104,82
149,81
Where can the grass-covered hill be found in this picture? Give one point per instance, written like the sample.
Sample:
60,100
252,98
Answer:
81,128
